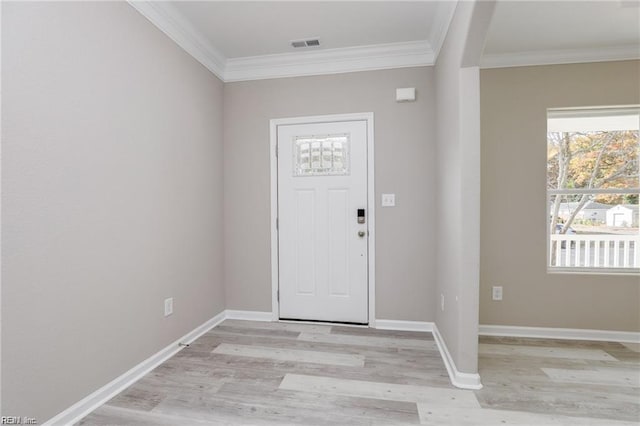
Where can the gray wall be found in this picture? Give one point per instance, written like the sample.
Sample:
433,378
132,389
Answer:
514,103
111,198
404,149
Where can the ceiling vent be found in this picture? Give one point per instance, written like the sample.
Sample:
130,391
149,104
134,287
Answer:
314,42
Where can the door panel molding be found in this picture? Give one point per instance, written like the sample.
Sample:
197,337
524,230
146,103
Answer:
274,123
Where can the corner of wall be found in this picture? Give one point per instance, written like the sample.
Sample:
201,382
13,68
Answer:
458,141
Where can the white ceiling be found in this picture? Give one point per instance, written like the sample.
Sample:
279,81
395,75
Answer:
239,29
239,40
242,40
580,30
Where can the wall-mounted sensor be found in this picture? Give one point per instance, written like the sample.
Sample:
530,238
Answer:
406,94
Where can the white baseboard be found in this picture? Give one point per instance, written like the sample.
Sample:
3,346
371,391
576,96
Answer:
560,333
458,378
383,324
249,315
86,405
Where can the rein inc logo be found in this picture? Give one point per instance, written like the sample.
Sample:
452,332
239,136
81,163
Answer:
18,420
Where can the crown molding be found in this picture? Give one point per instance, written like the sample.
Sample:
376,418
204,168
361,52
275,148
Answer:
440,25
564,56
330,61
164,16
350,59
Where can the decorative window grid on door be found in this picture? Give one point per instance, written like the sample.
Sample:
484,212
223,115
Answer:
324,155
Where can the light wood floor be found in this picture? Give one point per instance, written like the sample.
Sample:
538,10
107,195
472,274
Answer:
302,374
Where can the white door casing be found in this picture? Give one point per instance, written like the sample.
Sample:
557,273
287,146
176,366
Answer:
322,257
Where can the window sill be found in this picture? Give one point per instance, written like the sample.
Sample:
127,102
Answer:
595,271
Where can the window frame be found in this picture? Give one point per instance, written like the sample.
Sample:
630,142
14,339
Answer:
582,270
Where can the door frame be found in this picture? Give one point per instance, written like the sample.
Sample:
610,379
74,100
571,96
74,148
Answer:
371,257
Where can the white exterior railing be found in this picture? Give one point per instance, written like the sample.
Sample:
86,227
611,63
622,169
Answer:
594,251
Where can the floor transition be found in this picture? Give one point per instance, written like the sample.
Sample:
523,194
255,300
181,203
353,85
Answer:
253,373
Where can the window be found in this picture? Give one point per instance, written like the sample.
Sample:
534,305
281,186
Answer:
593,186
321,155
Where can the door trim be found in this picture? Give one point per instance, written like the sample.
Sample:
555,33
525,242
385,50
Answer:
371,266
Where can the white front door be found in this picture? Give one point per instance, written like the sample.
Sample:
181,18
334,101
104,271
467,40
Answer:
323,221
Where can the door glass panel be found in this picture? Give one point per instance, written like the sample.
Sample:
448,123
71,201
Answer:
326,155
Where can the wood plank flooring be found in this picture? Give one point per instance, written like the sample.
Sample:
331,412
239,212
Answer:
255,373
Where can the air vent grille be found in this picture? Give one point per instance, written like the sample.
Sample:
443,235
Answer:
314,42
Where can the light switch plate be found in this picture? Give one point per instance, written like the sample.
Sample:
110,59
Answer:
496,293
388,200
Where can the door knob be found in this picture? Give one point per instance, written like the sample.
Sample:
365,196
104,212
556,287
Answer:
361,234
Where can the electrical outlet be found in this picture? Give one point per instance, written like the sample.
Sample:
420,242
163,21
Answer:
442,302
497,293
168,306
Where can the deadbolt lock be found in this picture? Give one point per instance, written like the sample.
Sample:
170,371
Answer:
360,215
